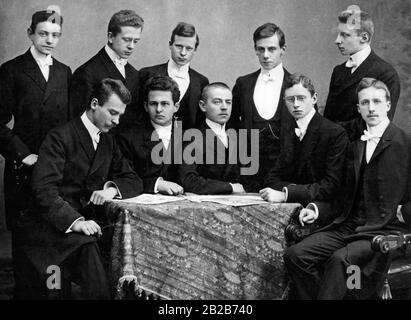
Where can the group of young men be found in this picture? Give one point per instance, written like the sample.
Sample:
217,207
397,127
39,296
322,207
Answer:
349,168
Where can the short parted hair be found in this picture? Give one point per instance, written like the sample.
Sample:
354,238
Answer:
358,19
103,90
207,88
299,78
162,83
124,18
45,15
267,30
184,29
366,83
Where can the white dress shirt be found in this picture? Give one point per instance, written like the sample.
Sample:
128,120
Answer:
44,62
356,59
375,133
164,133
120,63
179,75
219,131
303,124
267,91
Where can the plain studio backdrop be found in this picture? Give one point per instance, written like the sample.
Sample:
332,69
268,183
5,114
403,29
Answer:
225,28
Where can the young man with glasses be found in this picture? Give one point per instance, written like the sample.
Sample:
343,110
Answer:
34,91
183,45
312,159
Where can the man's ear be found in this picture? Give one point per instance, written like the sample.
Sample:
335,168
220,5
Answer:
388,105
201,104
29,32
283,49
358,108
146,106
315,97
365,37
110,37
94,104
176,106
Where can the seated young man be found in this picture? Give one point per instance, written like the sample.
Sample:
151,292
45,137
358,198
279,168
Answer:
215,169
312,159
79,167
140,143
377,201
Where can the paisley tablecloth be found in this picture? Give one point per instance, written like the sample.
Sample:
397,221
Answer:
186,250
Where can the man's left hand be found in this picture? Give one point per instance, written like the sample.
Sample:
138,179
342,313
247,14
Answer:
272,195
98,197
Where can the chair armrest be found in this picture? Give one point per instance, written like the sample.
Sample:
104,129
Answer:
387,243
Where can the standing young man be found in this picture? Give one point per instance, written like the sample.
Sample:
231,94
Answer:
183,45
258,99
123,34
355,32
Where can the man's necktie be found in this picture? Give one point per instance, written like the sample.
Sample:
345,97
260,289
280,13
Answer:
267,78
300,132
372,141
96,139
350,64
369,136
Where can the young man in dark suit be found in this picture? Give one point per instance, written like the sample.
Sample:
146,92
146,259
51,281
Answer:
258,99
79,167
150,146
34,90
377,201
355,32
311,164
123,34
214,170
183,44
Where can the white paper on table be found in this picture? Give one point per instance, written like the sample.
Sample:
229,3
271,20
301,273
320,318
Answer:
147,198
235,200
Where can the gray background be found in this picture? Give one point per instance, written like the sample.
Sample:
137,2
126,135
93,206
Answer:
225,28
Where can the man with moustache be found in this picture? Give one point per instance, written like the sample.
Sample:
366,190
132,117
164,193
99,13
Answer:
377,201
355,32
34,89
183,45
258,100
123,34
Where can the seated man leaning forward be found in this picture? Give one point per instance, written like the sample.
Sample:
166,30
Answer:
377,201
79,167
140,144
215,170
312,159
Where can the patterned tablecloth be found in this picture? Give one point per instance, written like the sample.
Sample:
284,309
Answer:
186,250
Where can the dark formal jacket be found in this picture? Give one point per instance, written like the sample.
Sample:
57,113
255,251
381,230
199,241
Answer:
137,146
189,109
66,174
386,183
342,100
37,105
203,178
94,70
312,169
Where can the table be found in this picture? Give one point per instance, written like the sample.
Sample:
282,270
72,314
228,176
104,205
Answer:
186,250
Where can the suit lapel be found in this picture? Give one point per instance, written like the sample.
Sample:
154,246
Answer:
110,66
102,153
359,151
384,142
53,81
248,95
32,69
359,73
193,89
84,137
310,140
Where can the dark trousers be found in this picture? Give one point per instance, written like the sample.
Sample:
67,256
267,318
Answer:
318,265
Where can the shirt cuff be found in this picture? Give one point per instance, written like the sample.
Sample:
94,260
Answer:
69,228
109,184
399,214
285,190
313,206
156,184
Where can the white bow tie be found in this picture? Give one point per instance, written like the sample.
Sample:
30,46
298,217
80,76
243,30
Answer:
350,63
300,132
369,136
120,61
181,75
267,78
